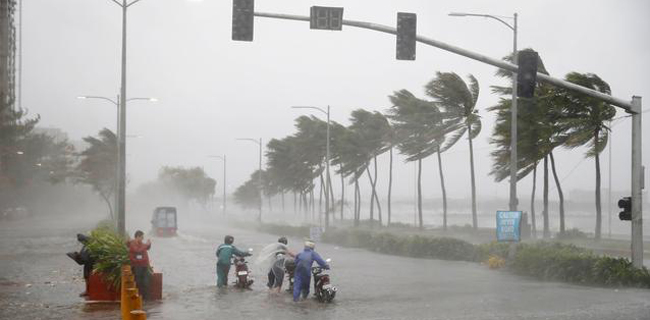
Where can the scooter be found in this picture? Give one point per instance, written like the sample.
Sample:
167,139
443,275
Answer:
323,289
290,270
243,278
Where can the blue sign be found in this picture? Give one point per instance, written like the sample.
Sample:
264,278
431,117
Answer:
508,225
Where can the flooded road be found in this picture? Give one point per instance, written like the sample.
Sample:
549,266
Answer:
37,281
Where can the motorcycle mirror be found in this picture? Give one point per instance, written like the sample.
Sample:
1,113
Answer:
328,260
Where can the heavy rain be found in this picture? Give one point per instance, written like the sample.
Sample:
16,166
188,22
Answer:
241,159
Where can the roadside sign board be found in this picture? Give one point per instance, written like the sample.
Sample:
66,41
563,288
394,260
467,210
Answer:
509,226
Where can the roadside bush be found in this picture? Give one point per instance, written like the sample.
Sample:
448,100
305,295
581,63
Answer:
542,260
572,234
109,251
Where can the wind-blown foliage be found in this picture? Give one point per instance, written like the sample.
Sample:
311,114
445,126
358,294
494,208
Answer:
458,102
98,166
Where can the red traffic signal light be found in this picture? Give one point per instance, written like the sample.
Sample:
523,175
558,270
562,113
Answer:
626,205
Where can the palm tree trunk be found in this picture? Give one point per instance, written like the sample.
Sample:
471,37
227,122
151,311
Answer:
547,232
444,192
598,204
357,202
390,183
471,165
283,203
320,197
342,193
372,196
268,198
532,203
294,203
421,225
559,193
374,187
108,203
331,189
313,205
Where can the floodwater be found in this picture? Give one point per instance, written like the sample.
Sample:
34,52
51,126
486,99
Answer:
37,281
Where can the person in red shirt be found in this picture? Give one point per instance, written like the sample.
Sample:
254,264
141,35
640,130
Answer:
140,262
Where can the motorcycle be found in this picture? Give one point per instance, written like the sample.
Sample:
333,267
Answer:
289,270
243,277
323,289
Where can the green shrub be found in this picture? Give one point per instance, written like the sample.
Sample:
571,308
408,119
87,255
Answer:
572,234
541,260
110,252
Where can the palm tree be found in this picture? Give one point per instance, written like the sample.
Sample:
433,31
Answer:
458,100
586,124
539,133
419,127
370,129
98,165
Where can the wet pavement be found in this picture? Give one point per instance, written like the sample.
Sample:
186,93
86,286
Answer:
37,281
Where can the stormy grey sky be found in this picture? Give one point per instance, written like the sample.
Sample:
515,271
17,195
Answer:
213,90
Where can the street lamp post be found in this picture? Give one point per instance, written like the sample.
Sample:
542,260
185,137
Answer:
259,176
513,109
223,158
120,172
121,192
327,160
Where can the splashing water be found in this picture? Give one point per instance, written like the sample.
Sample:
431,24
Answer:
268,256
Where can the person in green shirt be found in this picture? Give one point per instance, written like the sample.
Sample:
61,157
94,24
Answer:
224,254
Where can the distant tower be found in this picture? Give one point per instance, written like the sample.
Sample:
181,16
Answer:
7,56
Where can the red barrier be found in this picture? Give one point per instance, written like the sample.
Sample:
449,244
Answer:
100,290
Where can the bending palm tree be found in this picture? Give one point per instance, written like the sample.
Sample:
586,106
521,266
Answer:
586,124
458,101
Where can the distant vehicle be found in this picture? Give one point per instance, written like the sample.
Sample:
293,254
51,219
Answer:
163,222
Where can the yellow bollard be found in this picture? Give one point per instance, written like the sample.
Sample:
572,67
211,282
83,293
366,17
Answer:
135,298
124,302
138,315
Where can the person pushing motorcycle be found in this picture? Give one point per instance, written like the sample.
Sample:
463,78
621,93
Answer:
304,261
224,254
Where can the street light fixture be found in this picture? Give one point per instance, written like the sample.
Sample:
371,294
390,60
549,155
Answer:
513,109
259,176
224,180
327,160
121,142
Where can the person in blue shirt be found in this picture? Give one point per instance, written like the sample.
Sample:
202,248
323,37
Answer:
304,261
224,253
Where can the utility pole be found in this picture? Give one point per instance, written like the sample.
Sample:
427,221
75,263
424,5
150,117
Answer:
637,184
633,107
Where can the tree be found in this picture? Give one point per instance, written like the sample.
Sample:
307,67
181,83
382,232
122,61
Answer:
248,194
585,124
539,133
98,166
371,129
192,184
458,102
420,129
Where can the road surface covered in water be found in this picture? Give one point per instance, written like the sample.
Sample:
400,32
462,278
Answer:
37,281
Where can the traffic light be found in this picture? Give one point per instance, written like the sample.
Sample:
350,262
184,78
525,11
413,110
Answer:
406,33
326,18
626,205
527,73
242,19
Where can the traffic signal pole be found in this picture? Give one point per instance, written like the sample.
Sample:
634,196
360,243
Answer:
637,185
633,107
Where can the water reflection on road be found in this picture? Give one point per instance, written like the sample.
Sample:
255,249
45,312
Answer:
372,286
